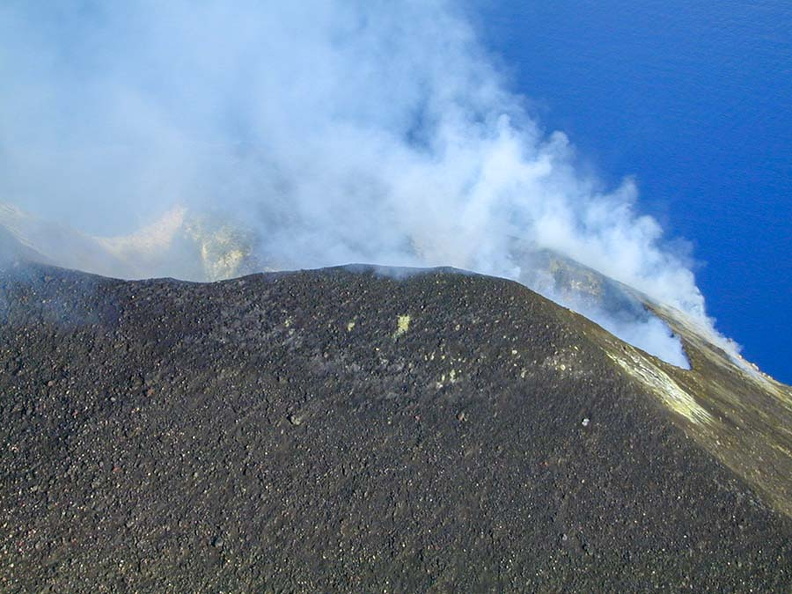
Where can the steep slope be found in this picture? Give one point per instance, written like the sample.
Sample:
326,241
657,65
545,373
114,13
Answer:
739,414
343,430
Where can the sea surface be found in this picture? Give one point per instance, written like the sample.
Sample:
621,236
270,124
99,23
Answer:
693,99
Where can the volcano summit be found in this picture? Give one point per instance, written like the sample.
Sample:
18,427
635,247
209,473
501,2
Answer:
346,430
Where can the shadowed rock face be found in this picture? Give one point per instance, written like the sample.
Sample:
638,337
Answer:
346,431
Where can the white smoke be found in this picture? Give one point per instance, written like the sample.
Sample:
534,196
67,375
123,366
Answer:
340,130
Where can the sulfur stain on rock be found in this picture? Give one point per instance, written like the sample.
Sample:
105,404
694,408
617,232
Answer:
661,384
402,325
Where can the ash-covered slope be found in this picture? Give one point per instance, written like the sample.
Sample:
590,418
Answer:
341,430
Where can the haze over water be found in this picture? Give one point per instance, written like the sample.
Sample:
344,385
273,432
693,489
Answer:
693,99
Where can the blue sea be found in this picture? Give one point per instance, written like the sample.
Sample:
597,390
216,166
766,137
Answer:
693,99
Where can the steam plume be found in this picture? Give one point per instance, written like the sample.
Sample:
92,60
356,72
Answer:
338,130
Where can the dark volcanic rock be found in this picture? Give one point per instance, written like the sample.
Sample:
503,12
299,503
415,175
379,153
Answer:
336,431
